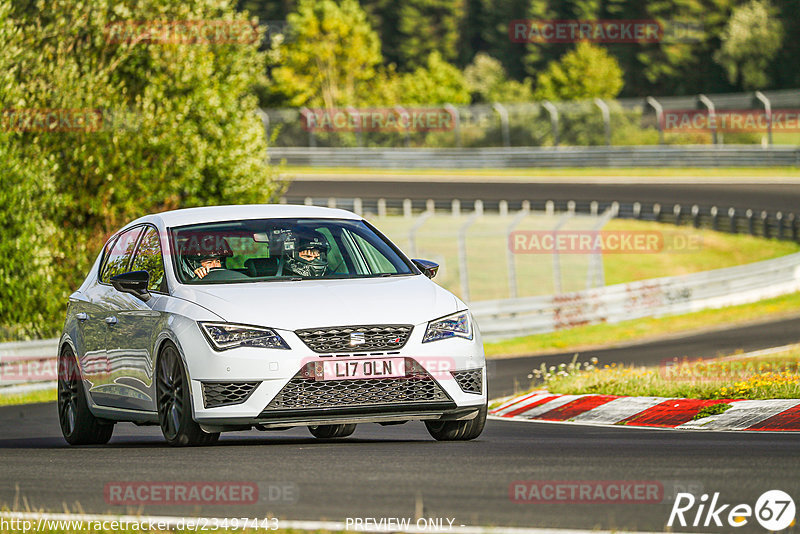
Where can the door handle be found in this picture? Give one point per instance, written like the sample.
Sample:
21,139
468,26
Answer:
81,316
111,320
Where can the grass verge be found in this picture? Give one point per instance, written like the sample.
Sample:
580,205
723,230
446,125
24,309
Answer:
773,376
599,335
31,397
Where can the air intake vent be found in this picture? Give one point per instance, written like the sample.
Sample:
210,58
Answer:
217,394
300,392
470,381
356,338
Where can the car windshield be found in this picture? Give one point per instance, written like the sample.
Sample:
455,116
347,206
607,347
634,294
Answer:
280,249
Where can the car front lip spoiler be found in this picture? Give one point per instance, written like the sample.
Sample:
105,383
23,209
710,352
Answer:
278,419
372,412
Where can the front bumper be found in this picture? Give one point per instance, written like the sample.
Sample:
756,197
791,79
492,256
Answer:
430,392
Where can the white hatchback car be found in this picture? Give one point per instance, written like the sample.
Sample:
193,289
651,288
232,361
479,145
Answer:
228,318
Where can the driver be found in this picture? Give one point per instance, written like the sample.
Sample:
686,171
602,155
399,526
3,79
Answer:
204,254
307,254
206,264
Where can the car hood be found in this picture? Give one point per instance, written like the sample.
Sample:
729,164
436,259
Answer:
314,303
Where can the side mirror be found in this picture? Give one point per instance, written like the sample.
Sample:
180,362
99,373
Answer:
428,268
134,282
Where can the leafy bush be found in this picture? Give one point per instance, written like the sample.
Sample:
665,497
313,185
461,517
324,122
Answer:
177,128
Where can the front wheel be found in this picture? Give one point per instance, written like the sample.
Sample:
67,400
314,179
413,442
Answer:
331,431
174,404
78,425
458,430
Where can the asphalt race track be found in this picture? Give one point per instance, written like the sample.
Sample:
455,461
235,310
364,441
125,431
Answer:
381,471
384,472
772,197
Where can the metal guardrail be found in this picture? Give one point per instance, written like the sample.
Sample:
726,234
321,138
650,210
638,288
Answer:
551,157
19,351
647,298
28,365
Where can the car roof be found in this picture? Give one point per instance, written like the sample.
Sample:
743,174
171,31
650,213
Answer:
182,217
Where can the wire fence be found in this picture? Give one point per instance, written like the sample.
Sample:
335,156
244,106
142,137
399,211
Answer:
504,249
769,224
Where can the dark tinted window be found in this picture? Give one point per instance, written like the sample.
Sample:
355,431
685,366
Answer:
119,255
148,258
274,249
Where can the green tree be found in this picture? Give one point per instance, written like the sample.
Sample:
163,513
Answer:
485,29
750,40
678,64
29,283
437,82
410,30
27,275
586,72
782,72
487,82
331,56
538,55
274,10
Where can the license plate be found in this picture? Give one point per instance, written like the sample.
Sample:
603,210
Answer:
361,369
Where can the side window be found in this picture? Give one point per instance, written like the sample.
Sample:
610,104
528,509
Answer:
377,261
336,262
107,252
148,258
120,254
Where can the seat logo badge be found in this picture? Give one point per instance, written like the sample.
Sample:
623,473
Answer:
357,338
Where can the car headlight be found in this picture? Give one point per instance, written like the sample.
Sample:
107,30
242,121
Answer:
457,325
223,336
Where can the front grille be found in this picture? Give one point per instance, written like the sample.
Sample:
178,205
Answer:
302,392
226,393
356,338
470,381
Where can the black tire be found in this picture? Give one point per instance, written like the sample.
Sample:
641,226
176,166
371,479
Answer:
458,430
331,431
78,425
174,403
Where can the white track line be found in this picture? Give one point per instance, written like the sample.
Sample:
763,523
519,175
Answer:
762,352
742,415
618,409
547,406
334,526
524,401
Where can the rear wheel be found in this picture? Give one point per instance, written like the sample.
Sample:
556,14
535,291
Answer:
458,430
78,425
174,404
331,431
